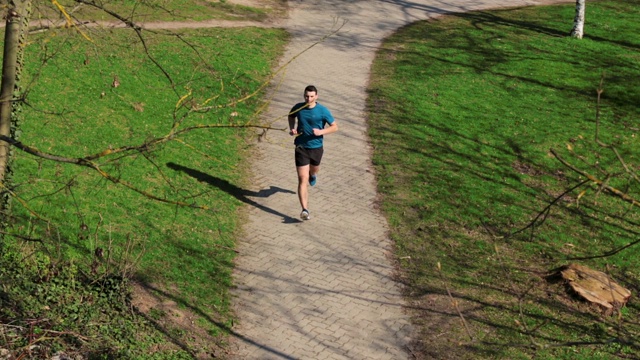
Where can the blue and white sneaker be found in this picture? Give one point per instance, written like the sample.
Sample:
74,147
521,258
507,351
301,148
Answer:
313,179
304,215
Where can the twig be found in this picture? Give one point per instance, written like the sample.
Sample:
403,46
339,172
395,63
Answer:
547,208
454,302
609,253
522,322
597,136
21,237
601,183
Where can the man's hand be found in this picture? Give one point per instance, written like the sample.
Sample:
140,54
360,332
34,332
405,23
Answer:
328,130
293,132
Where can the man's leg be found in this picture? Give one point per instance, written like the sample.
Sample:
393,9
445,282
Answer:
315,157
303,181
313,172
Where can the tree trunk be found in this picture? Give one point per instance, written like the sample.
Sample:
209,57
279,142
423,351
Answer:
9,65
17,24
578,21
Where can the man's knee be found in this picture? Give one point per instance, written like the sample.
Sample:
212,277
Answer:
303,174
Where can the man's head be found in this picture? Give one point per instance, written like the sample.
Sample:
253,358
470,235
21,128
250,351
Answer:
310,95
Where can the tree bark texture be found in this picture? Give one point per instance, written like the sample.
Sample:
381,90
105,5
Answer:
17,24
578,21
9,64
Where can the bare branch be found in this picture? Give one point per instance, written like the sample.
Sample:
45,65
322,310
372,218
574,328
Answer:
21,237
454,302
546,210
138,30
600,183
90,161
597,135
607,254
281,71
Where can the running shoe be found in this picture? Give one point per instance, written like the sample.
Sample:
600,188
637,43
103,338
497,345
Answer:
313,179
305,215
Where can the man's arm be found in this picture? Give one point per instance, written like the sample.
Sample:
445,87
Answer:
292,125
333,127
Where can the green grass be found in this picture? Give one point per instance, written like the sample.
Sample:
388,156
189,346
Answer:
174,10
181,254
463,112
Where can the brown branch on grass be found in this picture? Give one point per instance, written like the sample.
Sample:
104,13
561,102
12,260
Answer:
26,350
138,30
89,160
521,296
561,344
523,322
545,212
226,248
609,146
68,333
280,71
601,183
454,302
608,253
22,201
21,237
214,126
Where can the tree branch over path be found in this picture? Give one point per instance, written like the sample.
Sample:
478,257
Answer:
90,161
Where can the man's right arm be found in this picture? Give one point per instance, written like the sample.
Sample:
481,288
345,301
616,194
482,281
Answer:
292,125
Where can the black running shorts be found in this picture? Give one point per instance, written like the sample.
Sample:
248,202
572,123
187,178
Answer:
308,156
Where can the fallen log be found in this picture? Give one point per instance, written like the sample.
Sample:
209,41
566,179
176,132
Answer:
595,287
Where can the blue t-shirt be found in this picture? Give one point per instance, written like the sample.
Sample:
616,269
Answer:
309,119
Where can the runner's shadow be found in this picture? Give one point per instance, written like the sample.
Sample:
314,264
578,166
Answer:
239,193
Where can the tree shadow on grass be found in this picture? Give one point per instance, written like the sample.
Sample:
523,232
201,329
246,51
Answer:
239,193
480,17
194,341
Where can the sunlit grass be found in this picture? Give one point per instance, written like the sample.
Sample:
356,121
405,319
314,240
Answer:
464,110
83,98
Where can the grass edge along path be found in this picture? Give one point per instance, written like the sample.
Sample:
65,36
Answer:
93,232
463,110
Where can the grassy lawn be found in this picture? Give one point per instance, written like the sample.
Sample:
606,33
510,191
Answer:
77,238
464,110
173,10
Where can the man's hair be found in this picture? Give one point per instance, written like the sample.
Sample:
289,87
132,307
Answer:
310,88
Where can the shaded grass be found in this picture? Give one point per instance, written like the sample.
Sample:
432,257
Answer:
466,108
174,10
73,109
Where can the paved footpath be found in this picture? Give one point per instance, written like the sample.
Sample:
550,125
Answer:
324,288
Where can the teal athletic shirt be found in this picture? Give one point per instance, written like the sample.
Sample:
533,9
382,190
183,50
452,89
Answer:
309,119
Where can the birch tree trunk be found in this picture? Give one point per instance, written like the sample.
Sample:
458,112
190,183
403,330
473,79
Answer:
578,21
17,23
9,64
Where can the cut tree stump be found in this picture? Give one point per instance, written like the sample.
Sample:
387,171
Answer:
595,286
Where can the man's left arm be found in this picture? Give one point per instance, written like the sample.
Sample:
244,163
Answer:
333,127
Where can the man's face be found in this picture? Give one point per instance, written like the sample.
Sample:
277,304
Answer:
310,97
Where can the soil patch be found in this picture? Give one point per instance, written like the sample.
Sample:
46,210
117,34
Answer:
179,324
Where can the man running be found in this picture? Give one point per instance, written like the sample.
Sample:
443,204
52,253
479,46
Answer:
312,118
